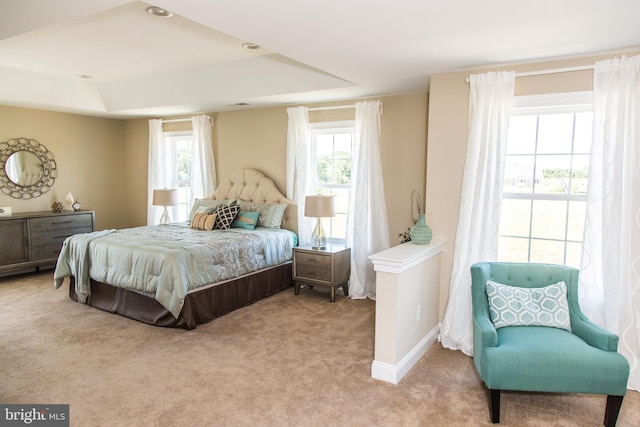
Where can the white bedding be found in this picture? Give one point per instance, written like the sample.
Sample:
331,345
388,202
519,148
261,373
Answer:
170,260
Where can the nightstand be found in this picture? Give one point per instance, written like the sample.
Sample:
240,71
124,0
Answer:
329,267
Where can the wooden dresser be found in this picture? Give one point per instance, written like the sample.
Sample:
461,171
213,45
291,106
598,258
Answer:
34,239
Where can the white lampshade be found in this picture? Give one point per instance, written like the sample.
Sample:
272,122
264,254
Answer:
165,197
319,206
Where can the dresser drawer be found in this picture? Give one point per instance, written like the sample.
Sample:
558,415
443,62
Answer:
61,222
45,252
55,236
313,260
306,272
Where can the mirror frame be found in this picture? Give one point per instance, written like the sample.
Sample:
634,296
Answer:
49,168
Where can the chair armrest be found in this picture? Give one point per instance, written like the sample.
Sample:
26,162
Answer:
484,335
592,334
484,332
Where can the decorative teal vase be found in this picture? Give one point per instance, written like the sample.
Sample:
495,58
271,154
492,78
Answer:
421,233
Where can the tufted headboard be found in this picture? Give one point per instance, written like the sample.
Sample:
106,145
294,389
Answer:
252,186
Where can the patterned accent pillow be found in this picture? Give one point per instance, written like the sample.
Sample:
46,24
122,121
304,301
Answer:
514,306
247,220
271,214
208,206
202,221
225,216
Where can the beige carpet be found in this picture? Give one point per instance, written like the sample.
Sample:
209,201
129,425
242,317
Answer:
285,361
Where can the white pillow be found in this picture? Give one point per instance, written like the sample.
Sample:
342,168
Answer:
514,306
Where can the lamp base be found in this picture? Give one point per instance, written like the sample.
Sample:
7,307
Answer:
165,219
318,238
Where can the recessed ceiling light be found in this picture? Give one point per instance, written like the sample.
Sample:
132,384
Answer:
241,104
158,11
251,46
84,76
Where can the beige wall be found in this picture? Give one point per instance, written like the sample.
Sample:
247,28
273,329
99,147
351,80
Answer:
89,156
447,139
257,138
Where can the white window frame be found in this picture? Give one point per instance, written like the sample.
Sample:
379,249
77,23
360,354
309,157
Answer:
574,102
324,128
184,196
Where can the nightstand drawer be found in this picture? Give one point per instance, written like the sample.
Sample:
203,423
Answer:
306,272
313,260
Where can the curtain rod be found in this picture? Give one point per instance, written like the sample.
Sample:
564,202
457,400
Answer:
188,119
336,107
552,71
176,120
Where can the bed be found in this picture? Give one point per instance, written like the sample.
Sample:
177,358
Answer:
177,277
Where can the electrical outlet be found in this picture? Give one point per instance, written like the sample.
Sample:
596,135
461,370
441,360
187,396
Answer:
418,313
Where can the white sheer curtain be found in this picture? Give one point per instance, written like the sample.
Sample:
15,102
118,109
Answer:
367,224
610,276
299,166
203,168
490,100
160,170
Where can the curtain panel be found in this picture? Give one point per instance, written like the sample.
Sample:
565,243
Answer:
299,166
203,167
490,101
367,223
610,271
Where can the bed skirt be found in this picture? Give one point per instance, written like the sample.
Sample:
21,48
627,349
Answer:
200,306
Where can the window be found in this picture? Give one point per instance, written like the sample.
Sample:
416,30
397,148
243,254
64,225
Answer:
180,143
545,181
332,145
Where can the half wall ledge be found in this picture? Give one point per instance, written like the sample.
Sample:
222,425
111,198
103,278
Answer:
407,297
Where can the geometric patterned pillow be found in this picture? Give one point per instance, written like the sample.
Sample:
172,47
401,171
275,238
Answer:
207,206
225,216
514,306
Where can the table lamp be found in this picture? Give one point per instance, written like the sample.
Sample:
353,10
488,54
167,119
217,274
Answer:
165,197
319,207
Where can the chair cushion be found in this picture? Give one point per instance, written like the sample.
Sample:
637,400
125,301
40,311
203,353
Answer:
534,358
515,306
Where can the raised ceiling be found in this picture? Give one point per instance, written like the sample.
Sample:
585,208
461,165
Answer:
311,51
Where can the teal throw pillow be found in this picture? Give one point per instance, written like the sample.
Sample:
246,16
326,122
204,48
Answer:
515,306
247,220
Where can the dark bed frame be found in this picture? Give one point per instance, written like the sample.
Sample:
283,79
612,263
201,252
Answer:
200,306
204,304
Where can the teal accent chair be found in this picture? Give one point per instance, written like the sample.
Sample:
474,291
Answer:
544,359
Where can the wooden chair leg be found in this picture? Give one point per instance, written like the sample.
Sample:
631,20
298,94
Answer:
614,403
494,405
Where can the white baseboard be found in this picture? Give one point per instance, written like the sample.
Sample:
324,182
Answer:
394,373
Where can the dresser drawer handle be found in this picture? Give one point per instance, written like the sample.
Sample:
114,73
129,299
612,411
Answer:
62,222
